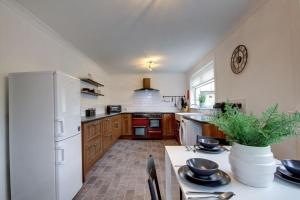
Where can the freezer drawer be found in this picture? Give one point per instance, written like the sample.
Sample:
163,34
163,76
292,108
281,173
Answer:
68,167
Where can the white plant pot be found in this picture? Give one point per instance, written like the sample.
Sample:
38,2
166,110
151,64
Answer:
253,166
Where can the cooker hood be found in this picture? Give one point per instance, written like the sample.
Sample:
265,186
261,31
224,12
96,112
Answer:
146,86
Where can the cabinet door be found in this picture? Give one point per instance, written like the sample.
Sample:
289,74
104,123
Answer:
89,155
168,124
98,147
107,134
126,124
210,130
116,127
90,130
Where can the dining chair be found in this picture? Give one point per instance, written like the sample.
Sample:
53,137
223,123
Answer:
152,179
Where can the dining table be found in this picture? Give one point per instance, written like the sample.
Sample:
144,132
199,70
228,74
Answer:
176,157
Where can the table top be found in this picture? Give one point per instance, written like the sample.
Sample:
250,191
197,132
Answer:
278,191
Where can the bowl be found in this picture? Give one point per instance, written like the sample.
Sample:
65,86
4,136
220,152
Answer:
202,167
209,143
292,166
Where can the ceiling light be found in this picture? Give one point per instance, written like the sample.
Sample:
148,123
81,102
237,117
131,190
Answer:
150,63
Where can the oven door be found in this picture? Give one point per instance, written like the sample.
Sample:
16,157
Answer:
140,131
155,123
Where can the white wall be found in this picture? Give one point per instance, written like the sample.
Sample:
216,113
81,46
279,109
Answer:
26,45
271,76
123,85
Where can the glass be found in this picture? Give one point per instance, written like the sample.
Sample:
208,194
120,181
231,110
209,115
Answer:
140,131
154,123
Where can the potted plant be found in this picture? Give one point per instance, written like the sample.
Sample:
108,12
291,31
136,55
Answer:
202,99
251,158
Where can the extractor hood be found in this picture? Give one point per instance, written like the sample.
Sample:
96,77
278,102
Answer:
146,86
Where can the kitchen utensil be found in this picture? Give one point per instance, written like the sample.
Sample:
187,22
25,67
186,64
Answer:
196,192
292,166
202,166
225,148
187,148
222,196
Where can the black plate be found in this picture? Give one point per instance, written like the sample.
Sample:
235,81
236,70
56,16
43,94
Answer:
292,166
215,150
288,174
218,179
282,177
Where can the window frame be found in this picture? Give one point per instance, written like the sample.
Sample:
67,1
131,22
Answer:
193,88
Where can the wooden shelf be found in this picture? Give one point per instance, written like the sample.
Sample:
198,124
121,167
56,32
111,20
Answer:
92,82
91,93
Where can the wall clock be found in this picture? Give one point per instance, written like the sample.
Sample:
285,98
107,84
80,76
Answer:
239,59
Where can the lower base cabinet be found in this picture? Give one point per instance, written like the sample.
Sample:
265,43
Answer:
168,125
211,130
97,137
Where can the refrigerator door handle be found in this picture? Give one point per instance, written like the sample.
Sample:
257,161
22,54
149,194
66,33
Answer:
60,127
60,156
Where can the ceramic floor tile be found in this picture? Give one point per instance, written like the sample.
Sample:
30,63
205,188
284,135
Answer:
121,173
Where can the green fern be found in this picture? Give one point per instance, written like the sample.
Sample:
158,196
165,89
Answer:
247,129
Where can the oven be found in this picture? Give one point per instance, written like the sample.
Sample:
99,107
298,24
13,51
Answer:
140,123
140,132
155,123
147,125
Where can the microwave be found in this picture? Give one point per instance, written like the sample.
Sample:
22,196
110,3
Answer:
113,109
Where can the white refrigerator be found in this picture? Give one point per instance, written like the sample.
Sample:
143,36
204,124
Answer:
44,136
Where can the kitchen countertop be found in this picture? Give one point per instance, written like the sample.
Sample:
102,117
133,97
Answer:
98,116
104,115
199,118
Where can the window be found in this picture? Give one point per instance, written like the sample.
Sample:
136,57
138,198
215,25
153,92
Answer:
202,87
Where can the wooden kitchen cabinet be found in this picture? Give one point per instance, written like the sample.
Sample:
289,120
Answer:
168,125
107,137
91,145
116,126
97,137
126,124
210,130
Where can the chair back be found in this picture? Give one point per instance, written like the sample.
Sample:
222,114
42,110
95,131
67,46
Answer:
152,179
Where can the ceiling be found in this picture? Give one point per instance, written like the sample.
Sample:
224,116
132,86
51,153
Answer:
122,35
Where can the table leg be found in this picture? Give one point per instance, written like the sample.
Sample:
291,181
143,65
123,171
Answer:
168,177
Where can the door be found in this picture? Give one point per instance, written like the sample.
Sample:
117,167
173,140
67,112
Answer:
106,134
126,124
67,106
168,125
68,167
140,131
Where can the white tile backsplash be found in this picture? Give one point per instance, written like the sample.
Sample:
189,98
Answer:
99,108
149,101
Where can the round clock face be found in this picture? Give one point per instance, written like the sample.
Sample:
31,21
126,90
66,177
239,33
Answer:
239,59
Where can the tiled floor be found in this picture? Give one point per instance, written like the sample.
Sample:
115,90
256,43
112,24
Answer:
121,173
